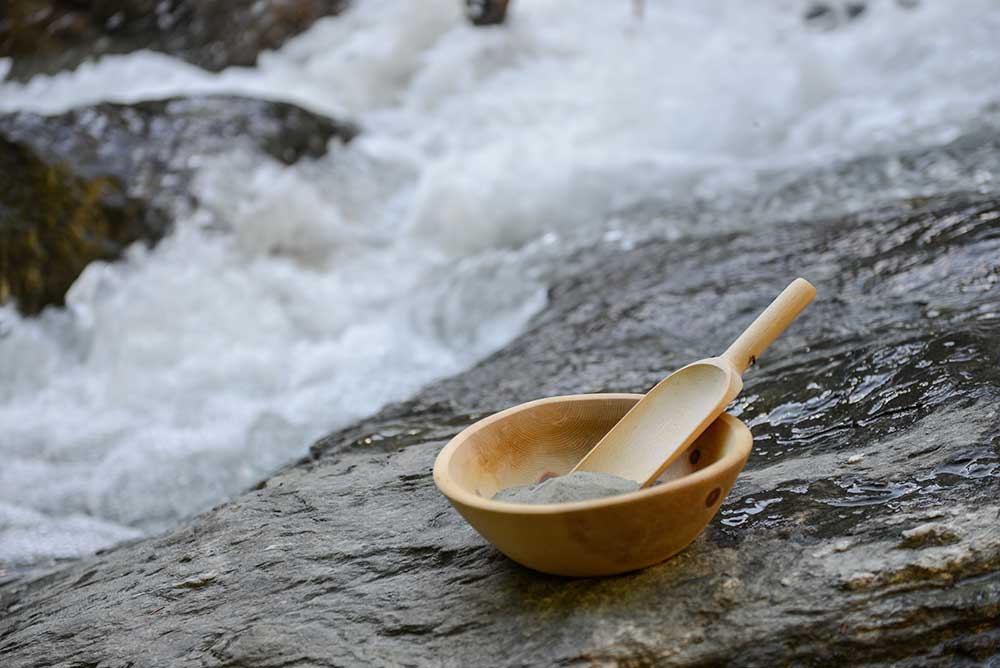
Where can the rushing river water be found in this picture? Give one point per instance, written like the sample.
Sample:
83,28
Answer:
182,375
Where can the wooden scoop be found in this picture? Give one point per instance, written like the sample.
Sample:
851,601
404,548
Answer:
671,416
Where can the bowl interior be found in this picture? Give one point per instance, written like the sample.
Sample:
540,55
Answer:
544,438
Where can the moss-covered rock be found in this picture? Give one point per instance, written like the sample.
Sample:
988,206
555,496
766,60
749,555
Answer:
81,186
53,223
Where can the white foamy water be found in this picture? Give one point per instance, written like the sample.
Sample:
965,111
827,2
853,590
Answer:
298,299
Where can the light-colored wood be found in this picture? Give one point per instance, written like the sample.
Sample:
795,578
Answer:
770,324
659,428
598,537
670,417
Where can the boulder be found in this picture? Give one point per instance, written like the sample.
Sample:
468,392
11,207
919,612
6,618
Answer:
81,186
53,223
486,12
44,36
865,530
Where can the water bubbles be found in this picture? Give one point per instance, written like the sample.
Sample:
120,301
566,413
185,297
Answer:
737,516
870,493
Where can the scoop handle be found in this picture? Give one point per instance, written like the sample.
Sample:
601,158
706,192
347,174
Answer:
770,324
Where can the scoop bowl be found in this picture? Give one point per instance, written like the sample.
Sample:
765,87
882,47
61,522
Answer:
523,444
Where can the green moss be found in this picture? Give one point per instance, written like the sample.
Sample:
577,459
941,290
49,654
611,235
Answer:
53,223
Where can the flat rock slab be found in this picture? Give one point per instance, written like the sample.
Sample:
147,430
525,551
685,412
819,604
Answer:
864,531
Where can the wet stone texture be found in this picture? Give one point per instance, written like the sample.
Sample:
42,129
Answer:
864,531
81,186
44,36
53,223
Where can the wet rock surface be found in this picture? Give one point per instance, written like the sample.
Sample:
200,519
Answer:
53,223
81,186
44,36
865,529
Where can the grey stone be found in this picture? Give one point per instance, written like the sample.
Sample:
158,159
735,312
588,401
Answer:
83,185
817,558
54,222
153,147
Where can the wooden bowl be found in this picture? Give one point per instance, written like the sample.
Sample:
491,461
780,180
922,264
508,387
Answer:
616,534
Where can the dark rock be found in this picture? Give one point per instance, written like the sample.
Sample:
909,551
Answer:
54,223
140,143
865,530
44,36
486,12
89,182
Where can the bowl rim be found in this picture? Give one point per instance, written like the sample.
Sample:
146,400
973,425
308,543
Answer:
458,494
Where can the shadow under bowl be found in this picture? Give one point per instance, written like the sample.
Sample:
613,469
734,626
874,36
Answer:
604,536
